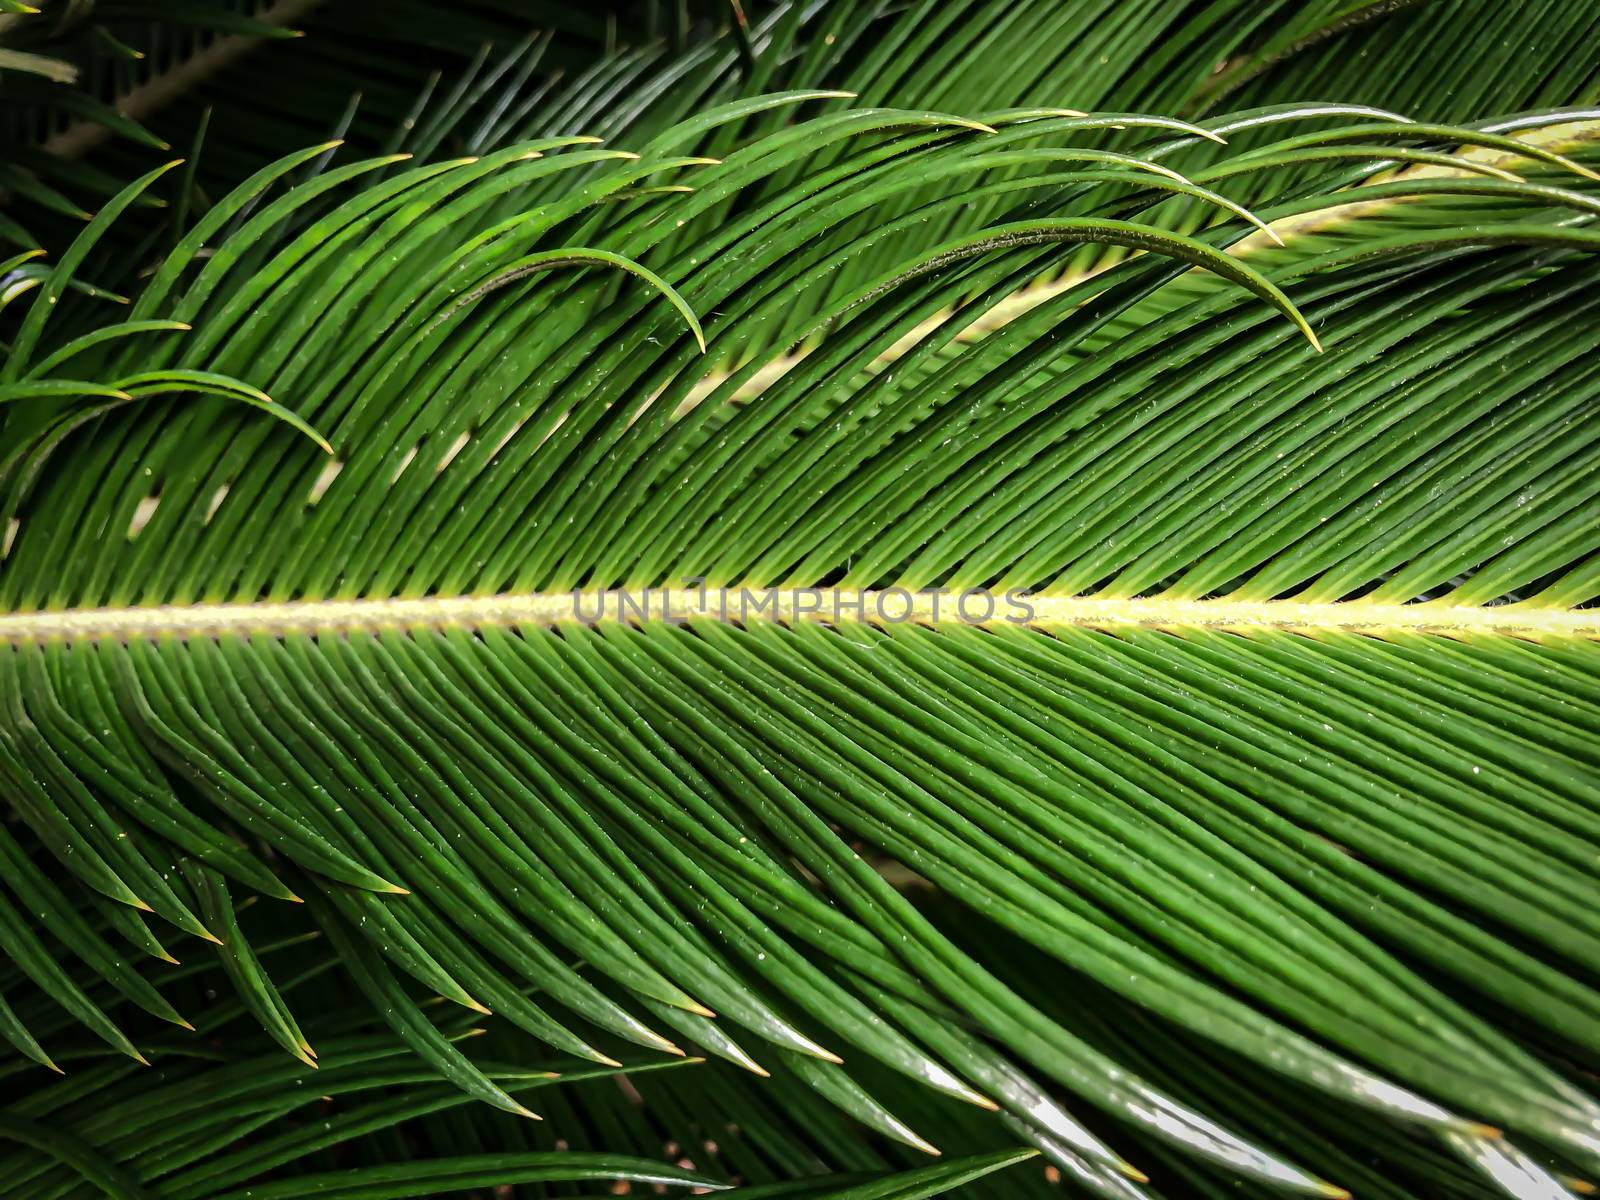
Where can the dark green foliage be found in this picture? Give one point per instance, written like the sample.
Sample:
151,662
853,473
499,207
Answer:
1261,859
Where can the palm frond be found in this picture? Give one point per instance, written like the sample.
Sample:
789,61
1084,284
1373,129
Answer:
600,585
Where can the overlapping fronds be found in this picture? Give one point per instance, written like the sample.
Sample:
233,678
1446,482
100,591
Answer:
175,1130
635,67
595,586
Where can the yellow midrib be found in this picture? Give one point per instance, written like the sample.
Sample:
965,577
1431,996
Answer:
829,605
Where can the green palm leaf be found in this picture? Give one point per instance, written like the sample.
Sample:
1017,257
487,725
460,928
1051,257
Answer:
875,497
